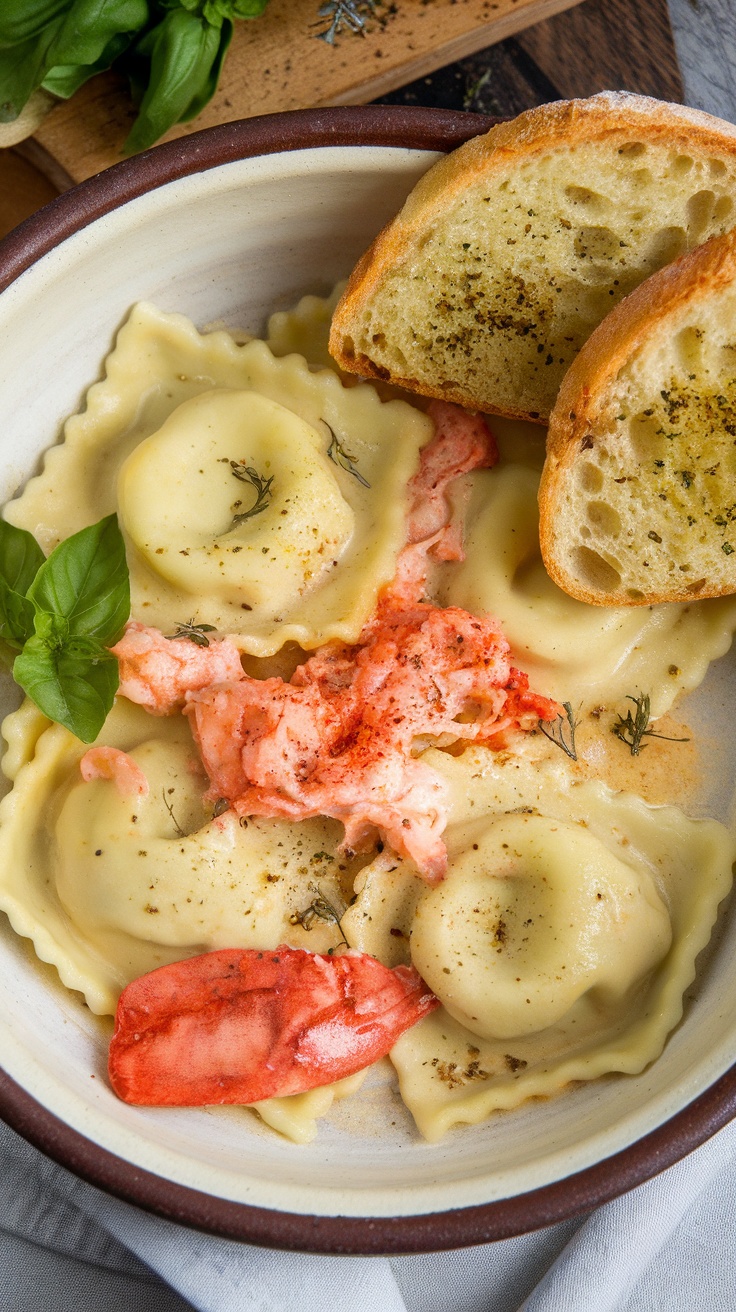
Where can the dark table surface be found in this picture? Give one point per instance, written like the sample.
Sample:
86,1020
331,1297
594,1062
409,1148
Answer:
619,44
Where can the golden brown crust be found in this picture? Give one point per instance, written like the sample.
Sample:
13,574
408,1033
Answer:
365,368
646,312
614,116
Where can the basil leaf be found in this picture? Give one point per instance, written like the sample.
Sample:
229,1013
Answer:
64,79
20,560
16,617
90,25
22,69
73,687
20,21
183,49
234,8
20,557
51,629
79,36
193,6
85,583
209,87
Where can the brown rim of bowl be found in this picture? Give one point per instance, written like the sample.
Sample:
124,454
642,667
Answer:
350,1235
271,134
373,125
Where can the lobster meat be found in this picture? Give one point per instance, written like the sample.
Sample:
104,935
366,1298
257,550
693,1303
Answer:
240,1025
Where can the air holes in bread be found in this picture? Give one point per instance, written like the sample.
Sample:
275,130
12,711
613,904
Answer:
643,431
592,200
604,517
590,477
689,344
511,253
597,244
700,209
595,572
717,168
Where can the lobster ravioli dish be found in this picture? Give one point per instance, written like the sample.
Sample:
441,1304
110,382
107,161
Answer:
358,798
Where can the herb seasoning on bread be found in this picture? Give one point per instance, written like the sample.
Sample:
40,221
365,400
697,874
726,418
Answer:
638,495
510,251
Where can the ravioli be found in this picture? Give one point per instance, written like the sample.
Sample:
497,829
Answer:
211,538
546,899
587,655
565,934
110,887
158,441
305,330
543,980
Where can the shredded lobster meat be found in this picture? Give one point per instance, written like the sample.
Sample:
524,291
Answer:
158,672
461,443
337,739
110,763
239,1025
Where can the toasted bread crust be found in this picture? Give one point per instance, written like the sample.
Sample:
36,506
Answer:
651,312
609,117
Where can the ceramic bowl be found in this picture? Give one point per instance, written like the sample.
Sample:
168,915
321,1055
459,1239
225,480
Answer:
227,225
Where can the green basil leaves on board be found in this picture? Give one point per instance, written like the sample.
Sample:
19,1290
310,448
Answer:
184,54
171,51
80,35
60,615
19,20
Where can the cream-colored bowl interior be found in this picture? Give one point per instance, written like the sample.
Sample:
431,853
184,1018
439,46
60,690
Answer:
230,244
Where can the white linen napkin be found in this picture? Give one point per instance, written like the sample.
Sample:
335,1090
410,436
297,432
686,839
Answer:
665,1247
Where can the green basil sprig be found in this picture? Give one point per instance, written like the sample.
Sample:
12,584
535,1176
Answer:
184,54
171,51
60,616
59,46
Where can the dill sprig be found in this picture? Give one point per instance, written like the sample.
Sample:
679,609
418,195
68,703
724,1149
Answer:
339,456
319,909
196,633
262,487
351,14
564,724
170,809
632,728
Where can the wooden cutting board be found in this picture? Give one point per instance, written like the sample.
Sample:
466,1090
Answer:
278,62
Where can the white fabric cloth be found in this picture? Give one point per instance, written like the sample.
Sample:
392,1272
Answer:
665,1247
